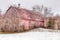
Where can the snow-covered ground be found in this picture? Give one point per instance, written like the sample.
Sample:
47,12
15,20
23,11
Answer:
35,34
44,30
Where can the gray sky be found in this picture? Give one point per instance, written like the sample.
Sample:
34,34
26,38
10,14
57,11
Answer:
54,4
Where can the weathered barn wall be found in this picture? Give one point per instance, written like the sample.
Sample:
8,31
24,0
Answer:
19,19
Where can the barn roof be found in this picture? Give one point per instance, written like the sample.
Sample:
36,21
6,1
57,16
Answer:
31,13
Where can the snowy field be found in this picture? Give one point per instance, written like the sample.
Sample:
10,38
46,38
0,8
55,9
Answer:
44,30
35,34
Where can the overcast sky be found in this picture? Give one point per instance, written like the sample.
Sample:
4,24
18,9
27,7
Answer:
54,4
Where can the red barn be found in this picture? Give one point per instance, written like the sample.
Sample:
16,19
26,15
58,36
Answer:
27,18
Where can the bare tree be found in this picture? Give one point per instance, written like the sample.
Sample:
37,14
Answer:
47,12
37,8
